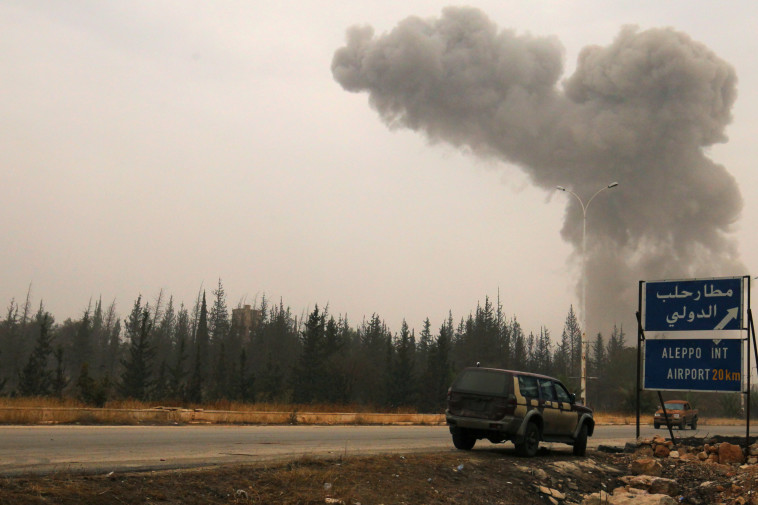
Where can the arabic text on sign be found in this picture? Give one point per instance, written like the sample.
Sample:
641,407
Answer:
686,294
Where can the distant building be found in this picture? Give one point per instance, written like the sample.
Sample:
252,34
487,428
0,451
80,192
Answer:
245,320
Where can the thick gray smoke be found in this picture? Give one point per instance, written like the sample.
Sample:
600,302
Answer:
640,112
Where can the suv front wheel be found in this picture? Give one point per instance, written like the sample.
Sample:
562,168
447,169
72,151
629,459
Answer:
580,444
530,442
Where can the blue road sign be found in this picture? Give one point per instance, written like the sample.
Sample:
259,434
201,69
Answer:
693,305
693,364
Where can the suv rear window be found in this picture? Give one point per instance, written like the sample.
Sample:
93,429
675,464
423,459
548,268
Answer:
487,382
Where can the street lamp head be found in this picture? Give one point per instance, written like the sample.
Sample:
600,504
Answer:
613,184
561,188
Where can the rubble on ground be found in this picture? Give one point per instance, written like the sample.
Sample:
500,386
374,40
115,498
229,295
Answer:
708,471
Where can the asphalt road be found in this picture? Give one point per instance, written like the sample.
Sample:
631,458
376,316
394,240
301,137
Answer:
46,449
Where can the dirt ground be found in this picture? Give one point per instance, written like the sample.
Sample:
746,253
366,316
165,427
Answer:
490,474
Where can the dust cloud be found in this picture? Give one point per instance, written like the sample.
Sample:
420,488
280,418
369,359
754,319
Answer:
640,111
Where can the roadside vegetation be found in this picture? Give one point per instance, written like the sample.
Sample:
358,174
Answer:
262,357
40,410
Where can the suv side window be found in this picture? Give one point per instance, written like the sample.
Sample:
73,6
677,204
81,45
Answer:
528,386
546,388
563,395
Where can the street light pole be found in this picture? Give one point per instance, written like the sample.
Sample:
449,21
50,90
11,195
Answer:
584,282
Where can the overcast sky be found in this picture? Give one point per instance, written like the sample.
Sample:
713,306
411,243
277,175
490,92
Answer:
162,145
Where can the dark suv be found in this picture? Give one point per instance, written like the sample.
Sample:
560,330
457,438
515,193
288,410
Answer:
521,407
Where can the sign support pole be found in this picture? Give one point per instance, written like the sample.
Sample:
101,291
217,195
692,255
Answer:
640,339
751,327
666,417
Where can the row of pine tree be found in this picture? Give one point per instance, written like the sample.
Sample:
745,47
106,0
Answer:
197,355
164,353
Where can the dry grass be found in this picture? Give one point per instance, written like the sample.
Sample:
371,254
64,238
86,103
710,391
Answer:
227,405
618,418
628,419
130,412
8,402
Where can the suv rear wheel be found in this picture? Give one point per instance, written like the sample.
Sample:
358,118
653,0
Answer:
462,440
529,444
580,444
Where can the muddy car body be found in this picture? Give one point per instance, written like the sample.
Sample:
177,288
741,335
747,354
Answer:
521,407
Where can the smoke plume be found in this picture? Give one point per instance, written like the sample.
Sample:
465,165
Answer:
640,112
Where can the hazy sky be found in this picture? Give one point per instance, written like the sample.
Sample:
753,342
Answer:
157,145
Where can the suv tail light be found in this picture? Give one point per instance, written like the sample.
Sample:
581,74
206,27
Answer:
453,398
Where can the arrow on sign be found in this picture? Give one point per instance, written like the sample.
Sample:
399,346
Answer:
730,314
